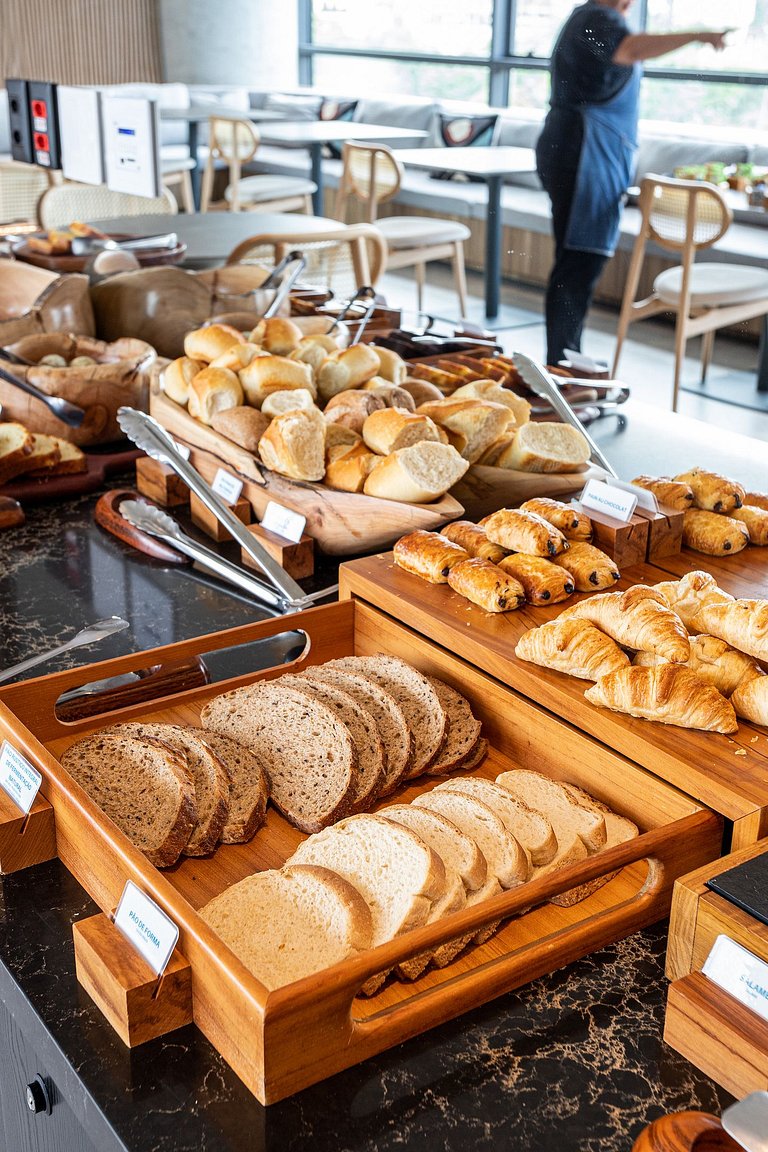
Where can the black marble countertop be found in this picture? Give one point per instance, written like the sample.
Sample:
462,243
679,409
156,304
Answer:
572,1061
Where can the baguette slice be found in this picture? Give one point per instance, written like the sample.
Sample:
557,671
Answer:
143,785
248,787
416,475
284,925
306,751
546,447
530,827
549,797
462,733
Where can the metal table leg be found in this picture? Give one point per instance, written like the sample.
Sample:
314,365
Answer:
762,358
493,247
316,154
195,172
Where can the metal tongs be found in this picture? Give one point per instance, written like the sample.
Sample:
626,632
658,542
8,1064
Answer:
367,294
68,413
88,245
282,282
540,382
151,437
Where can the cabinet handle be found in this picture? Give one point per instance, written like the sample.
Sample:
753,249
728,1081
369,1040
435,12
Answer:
39,1096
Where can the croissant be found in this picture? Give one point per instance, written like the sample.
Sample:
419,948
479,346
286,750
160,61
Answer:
757,500
573,524
486,585
755,519
473,539
667,693
427,554
713,492
741,623
713,661
543,581
590,568
686,597
713,534
750,699
572,646
637,619
524,532
671,493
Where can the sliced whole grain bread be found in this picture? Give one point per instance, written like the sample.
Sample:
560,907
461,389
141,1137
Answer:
462,732
390,719
248,787
549,797
503,852
208,775
475,758
532,829
423,711
304,748
143,785
284,925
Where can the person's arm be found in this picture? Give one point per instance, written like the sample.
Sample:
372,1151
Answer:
639,46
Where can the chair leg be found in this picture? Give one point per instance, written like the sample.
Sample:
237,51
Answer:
206,187
307,208
420,271
707,347
681,340
460,276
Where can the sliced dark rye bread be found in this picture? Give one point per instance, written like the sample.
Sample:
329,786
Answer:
306,751
531,828
426,717
208,775
248,787
462,733
475,757
390,719
143,785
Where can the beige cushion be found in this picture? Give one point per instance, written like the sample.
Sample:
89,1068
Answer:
714,285
415,231
257,189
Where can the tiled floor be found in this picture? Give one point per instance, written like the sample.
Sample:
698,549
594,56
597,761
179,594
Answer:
647,358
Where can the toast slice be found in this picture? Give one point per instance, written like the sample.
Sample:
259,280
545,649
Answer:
45,453
462,733
248,787
16,443
550,798
71,461
532,829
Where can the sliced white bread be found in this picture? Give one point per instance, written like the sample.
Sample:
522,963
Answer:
421,705
15,446
45,454
208,775
306,751
72,460
417,475
532,829
453,899
505,857
248,787
618,828
546,447
463,729
389,717
294,444
143,785
549,797
284,925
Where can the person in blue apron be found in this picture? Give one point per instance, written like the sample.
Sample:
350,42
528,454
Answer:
585,153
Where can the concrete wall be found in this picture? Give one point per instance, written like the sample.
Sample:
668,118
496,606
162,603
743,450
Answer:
253,43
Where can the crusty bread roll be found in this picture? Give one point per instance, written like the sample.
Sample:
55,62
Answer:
336,434
208,343
347,468
546,447
237,357
392,428
213,390
348,368
490,457
243,425
288,400
178,376
313,350
392,394
277,335
421,390
352,408
391,366
418,474
267,374
494,391
475,423
294,445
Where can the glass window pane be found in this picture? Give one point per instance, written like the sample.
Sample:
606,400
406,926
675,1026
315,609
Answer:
529,90
354,75
434,26
537,25
747,45
691,105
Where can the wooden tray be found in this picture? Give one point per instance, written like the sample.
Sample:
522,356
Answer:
726,773
279,1042
147,258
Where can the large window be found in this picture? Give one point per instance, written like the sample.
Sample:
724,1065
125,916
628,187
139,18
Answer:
497,51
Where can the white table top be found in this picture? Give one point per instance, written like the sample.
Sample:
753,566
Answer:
197,113
306,132
487,160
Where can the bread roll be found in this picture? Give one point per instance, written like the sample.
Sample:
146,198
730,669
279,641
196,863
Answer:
546,447
213,390
178,376
208,343
713,534
237,357
340,434
352,409
477,422
492,454
348,368
391,366
313,350
347,467
390,394
287,401
421,391
428,555
243,425
277,335
418,474
392,428
267,374
498,394
294,445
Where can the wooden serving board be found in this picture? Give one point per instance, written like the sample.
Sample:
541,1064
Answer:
99,465
66,262
727,773
279,1042
340,522
483,490
743,575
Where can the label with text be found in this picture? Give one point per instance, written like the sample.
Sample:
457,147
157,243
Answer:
602,498
645,499
227,486
283,522
146,927
18,778
740,973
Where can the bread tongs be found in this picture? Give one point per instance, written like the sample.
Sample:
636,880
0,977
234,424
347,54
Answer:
540,382
151,437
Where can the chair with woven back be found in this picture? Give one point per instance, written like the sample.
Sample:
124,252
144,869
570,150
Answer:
63,203
235,142
372,174
686,217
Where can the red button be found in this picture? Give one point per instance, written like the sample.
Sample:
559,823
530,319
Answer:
41,142
40,108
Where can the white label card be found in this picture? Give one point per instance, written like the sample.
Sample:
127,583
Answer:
18,778
612,501
739,973
227,486
182,449
146,927
645,499
283,522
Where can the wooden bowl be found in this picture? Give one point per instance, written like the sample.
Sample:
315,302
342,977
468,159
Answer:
59,303
159,305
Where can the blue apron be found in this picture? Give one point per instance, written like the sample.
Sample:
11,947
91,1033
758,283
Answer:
605,170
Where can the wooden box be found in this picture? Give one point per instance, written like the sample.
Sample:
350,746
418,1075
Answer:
281,1041
626,542
728,774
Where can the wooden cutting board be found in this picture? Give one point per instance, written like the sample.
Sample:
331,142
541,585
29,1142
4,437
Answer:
100,465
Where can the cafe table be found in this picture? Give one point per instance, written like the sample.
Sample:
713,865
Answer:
491,164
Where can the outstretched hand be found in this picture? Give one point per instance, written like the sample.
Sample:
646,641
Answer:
716,39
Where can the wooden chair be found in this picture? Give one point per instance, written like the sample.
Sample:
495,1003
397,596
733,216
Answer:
686,216
236,142
59,206
345,259
372,174
177,174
